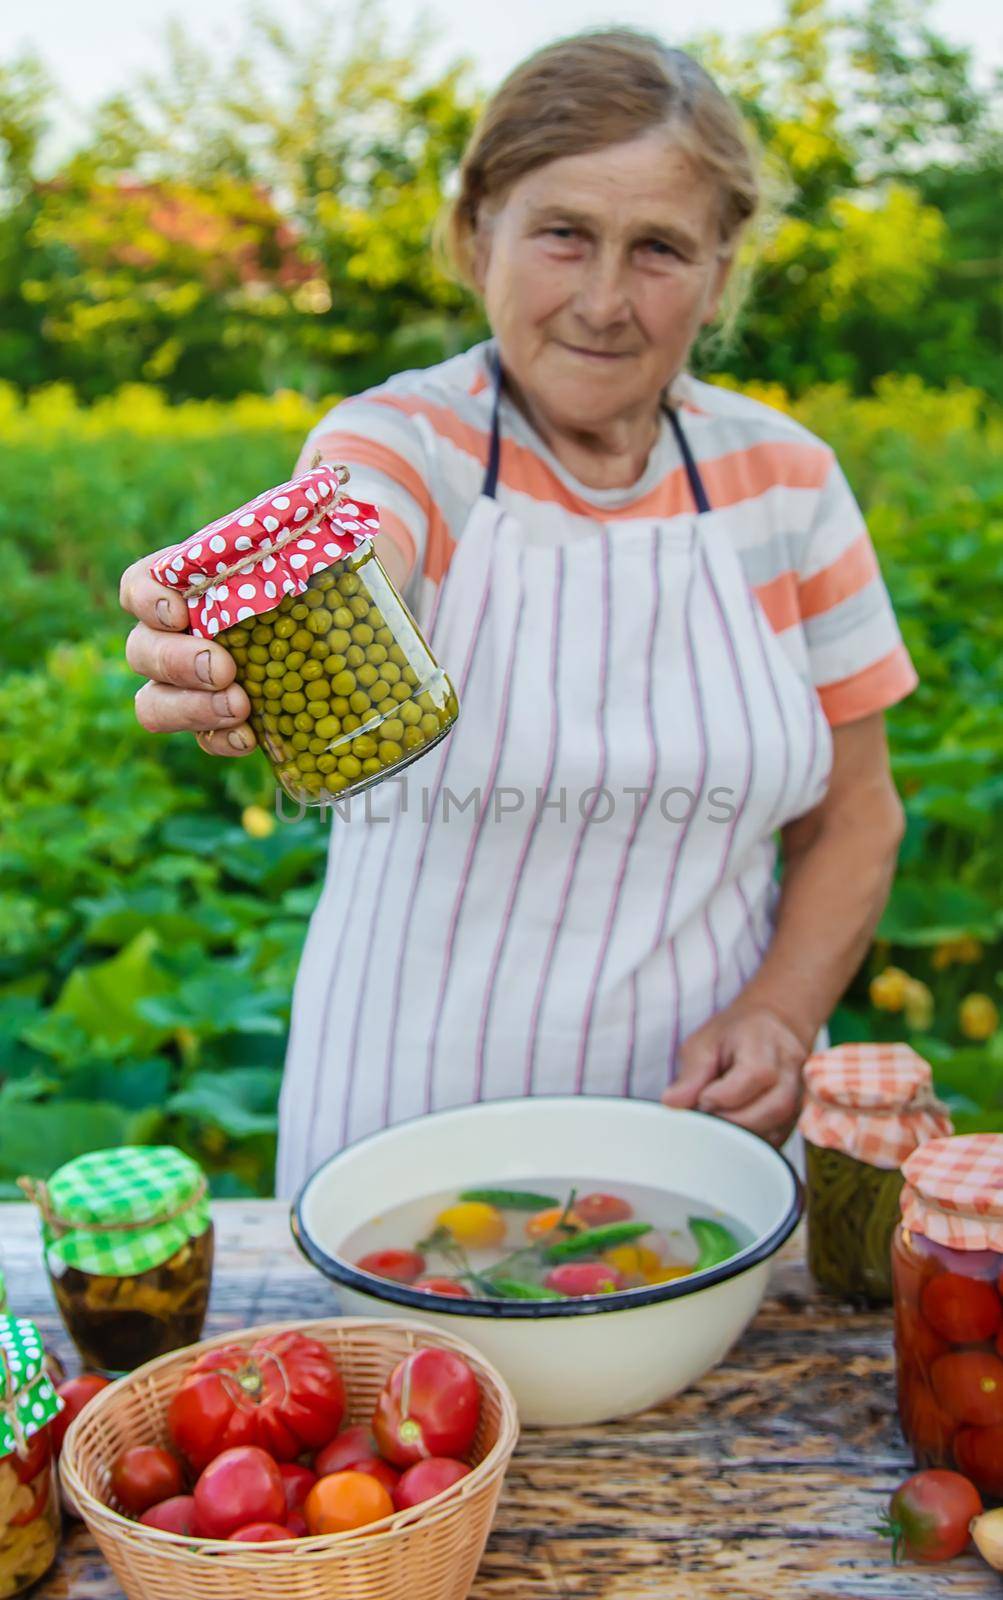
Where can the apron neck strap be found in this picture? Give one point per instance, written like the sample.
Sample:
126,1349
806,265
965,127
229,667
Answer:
490,486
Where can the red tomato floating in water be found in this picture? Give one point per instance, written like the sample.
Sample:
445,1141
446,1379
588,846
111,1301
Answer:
963,1310
75,1393
354,1444
176,1515
402,1266
284,1395
578,1278
297,1482
260,1533
145,1476
426,1479
429,1407
448,1286
239,1487
929,1515
978,1453
915,1339
929,1427
969,1384
596,1210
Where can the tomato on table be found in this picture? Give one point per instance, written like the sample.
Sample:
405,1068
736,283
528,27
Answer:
429,1406
346,1500
241,1486
144,1476
969,1384
284,1395
961,1309
400,1266
596,1210
929,1515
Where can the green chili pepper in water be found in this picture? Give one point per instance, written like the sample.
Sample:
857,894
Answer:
595,1240
510,1199
514,1289
715,1242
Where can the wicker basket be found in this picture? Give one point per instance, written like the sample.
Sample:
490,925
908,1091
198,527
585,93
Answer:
430,1552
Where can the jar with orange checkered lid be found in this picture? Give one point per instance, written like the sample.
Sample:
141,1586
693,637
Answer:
947,1270
867,1107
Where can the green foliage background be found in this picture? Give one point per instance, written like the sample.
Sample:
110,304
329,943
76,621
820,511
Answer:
176,301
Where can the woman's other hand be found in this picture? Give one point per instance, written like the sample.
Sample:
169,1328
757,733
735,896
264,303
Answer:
744,1065
190,680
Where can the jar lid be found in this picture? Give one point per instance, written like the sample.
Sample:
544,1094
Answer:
874,1102
121,1211
245,563
28,1402
953,1191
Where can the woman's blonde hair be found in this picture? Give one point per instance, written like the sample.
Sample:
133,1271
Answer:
601,87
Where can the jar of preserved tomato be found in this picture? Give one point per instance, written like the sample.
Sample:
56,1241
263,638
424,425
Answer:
128,1242
867,1107
947,1271
344,690
29,1500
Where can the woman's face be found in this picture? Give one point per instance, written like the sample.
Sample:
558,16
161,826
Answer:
597,272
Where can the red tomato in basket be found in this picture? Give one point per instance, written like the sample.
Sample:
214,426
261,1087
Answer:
402,1266
978,1453
296,1523
429,1407
260,1533
969,1384
176,1515
963,1310
448,1286
75,1393
297,1481
427,1478
352,1445
240,1486
929,1515
144,1476
284,1395
596,1210
577,1278
381,1470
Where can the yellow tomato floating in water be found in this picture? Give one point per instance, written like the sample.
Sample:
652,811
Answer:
473,1223
634,1260
667,1274
544,1222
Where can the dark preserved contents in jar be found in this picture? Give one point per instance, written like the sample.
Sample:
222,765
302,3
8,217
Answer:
117,1323
853,1210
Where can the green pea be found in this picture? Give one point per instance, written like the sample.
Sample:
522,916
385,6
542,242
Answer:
299,741
391,672
364,745
400,692
375,617
384,637
379,691
411,677
254,672
275,669
317,747
271,722
293,702
313,597
284,627
317,709
339,638
343,682
311,670
302,639
393,728
335,663
294,660
409,714
359,701
260,633
350,767
413,739
350,723
359,607
327,728
452,706
307,762
387,707
320,650
326,763
377,654
342,617
429,725
426,702
397,654
287,725
371,766
339,705
272,689
299,611
362,633
389,751
292,681
258,654
355,655
323,580
234,636
367,675
317,690
349,583
319,621
303,721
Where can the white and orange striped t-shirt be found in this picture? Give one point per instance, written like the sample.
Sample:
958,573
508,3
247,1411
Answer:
417,447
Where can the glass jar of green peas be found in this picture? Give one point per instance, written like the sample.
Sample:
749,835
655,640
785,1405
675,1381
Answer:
343,688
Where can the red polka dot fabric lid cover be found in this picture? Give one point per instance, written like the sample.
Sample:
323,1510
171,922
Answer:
874,1102
334,526
953,1191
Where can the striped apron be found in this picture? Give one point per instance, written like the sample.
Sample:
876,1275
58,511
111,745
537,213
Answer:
584,871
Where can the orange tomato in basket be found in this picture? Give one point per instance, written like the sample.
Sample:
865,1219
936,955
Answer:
346,1500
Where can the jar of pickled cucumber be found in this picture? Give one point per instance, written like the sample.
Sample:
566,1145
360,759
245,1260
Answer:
128,1241
947,1267
344,691
29,1500
867,1107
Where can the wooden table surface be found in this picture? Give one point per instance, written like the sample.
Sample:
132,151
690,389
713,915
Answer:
761,1482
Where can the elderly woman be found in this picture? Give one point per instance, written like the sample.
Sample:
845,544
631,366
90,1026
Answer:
669,635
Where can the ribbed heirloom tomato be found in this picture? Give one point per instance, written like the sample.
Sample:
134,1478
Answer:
429,1406
285,1395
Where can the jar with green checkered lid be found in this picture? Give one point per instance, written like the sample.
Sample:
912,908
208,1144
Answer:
29,1502
128,1245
